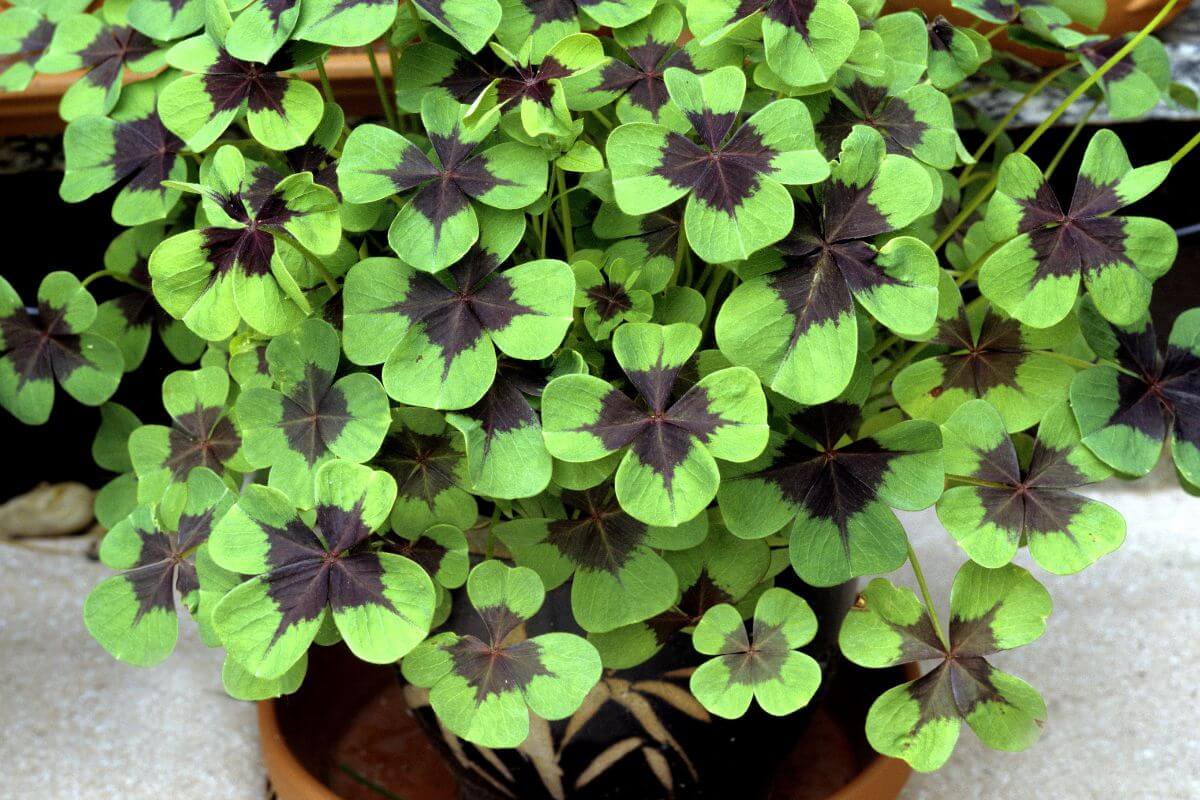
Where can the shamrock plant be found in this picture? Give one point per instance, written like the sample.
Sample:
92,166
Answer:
620,328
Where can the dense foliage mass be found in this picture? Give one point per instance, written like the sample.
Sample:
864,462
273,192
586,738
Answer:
657,299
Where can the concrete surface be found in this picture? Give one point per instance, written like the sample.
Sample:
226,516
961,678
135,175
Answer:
1119,668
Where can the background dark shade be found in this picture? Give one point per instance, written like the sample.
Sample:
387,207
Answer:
46,234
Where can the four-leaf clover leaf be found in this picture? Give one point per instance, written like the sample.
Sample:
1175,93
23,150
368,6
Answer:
795,325
668,474
990,610
1004,502
737,202
132,615
1035,276
305,570
764,666
483,687
52,343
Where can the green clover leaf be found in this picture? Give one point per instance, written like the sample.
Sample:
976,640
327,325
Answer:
53,343
1035,277
838,490
1126,408
619,578
736,200
132,615
548,675
764,666
795,325
243,265
381,603
310,419
201,434
990,610
668,473
1003,502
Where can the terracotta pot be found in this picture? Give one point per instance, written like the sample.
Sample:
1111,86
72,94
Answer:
1123,16
349,731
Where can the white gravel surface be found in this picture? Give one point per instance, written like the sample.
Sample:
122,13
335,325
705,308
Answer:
1119,667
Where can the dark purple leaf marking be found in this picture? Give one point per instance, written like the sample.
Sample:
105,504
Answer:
329,566
941,33
1035,500
599,536
547,11
201,438
316,161
720,176
41,346
1164,390
642,79
758,659
980,363
1098,54
1083,239
504,407
660,436
165,561
423,466
693,603
315,413
455,319
230,82
609,299
276,8
891,116
531,82
32,47
346,5
106,55
424,551
470,75
829,481
444,190
492,669
828,259
251,246
144,149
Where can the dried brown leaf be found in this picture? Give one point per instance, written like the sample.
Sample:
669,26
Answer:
647,717
675,696
538,747
596,698
606,759
661,769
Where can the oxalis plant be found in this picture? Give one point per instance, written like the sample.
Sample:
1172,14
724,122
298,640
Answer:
653,301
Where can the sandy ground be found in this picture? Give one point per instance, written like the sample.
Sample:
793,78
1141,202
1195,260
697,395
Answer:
1119,667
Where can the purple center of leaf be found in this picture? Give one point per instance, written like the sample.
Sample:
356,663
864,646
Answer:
230,82
106,55
423,466
720,176
145,149
532,83
200,438
314,414
41,346
601,537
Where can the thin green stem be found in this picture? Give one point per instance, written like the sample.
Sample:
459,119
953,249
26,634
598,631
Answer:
930,609
1000,126
313,259
902,361
1187,148
996,31
326,88
681,249
389,112
972,92
976,482
1078,363
1071,137
564,209
100,273
412,12
545,230
1100,72
1036,134
710,297
605,121
368,783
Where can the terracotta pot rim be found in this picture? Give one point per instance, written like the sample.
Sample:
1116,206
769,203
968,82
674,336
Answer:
292,779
